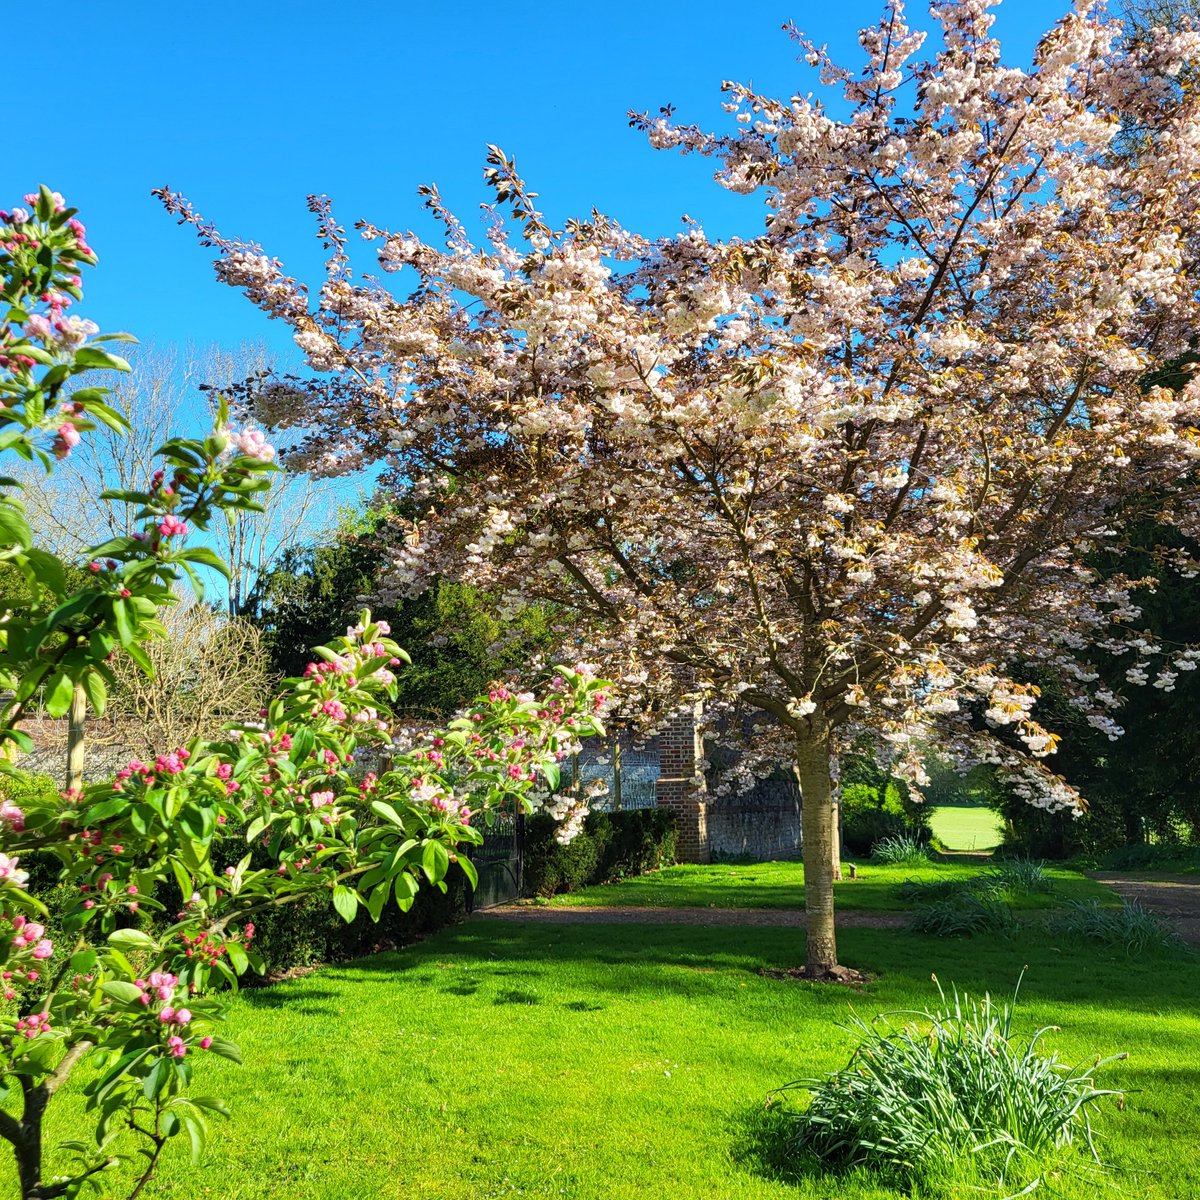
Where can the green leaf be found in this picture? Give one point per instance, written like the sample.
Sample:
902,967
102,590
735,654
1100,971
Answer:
378,899
382,809
468,868
50,570
153,1080
226,1049
96,691
59,691
209,558
435,861
124,625
93,358
237,956
14,529
131,939
122,990
197,1134
183,879
345,900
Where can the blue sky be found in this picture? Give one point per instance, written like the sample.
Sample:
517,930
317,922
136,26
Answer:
248,107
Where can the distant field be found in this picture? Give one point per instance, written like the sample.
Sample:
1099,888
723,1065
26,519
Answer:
967,828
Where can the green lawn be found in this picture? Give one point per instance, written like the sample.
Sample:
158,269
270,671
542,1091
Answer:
781,885
510,1059
959,828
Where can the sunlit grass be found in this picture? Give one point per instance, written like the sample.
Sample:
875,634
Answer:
780,885
967,829
501,1059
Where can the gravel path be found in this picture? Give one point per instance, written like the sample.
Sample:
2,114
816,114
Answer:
1176,897
631,915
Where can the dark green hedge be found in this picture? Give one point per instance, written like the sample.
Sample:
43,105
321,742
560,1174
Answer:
610,846
310,932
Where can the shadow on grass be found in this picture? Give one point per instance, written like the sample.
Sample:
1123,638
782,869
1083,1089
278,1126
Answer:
519,963
762,1143
297,996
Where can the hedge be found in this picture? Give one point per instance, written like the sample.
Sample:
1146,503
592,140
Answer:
611,846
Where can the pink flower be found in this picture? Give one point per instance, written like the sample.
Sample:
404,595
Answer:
172,526
176,1046
38,327
224,771
334,710
8,870
66,439
205,1042
43,949
12,816
171,764
251,443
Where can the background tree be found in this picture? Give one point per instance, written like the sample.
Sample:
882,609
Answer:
461,643
206,671
173,392
847,471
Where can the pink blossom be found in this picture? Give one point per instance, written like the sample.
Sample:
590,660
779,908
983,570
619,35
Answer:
66,439
176,1046
9,871
251,443
172,526
43,949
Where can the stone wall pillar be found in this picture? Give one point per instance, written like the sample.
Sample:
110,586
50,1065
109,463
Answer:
680,753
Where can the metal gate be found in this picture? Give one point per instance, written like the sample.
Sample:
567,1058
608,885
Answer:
499,862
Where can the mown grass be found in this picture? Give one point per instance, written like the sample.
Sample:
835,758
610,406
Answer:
969,829
610,1062
780,885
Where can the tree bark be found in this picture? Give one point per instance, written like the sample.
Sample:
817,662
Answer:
835,856
820,845
75,738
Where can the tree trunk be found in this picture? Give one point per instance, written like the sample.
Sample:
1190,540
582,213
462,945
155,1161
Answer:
75,742
28,1143
820,845
835,857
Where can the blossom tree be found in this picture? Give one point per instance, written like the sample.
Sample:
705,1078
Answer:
845,471
124,989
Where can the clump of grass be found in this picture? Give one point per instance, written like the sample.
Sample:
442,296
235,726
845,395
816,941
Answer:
900,850
964,914
1022,876
953,1092
1132,926
920,892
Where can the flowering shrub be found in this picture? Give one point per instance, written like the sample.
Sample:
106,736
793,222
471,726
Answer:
138,1007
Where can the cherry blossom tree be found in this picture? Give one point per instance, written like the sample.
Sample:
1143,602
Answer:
845,471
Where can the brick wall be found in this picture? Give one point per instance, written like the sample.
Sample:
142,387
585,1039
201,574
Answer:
680,750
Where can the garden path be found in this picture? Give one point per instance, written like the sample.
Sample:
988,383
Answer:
1176,897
